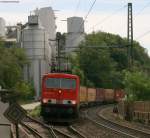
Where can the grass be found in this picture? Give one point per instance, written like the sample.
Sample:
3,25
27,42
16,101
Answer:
35,112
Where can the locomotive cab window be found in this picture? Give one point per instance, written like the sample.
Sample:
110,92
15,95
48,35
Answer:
68,83
62,83
52,83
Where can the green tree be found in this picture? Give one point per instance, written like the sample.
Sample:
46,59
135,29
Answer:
137,85
97,66
12,61
11,65
103,66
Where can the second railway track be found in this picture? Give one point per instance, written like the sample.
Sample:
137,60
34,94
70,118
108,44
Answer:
93,115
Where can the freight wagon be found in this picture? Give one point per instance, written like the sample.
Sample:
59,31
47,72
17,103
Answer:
62,96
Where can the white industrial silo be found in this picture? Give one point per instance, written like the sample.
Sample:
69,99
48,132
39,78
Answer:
75,33
75,25
2,27
38,51
47,20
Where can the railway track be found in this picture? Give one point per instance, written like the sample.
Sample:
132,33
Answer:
133,131
31,131
49,131
93,115
38,128
69,132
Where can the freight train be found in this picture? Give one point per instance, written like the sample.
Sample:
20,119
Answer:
62,96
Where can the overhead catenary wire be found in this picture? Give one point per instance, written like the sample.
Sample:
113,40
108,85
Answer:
147,32
146,6
86,16
107,17
144,34
76,9
103,20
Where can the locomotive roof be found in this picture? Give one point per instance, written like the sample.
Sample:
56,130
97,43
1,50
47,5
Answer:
61,75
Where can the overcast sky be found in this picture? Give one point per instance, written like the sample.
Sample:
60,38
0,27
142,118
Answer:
101,13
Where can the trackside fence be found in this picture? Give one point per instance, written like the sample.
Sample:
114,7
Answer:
138,110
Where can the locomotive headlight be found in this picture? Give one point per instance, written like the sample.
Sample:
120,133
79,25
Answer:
117,95
45,100
73,102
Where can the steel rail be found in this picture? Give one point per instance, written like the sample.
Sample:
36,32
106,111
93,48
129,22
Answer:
62,133
100,123
49,128
52,130
31,129
75,131
112,129
141,132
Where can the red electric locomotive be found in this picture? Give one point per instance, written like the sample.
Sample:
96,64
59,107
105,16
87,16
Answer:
60,96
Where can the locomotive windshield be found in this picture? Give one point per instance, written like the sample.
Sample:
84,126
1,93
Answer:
62,83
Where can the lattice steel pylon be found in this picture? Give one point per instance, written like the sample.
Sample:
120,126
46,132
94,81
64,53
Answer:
130,35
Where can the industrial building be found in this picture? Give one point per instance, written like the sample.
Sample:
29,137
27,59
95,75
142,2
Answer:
47,20
36,40
36,45
75,33
2,28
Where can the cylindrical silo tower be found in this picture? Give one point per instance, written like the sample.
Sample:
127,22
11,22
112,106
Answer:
2,27
75,33
35,43
47,20
75,25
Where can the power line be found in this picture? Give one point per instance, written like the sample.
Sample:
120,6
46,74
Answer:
147,32
107,17
144,34
147,5
86,16
77,7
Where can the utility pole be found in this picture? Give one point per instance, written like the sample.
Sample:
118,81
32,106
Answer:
58,35
130,35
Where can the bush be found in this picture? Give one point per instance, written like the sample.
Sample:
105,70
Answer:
36,112
137,85
24,90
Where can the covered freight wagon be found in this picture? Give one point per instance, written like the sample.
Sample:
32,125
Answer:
109,95
91,95
100,95
83,96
